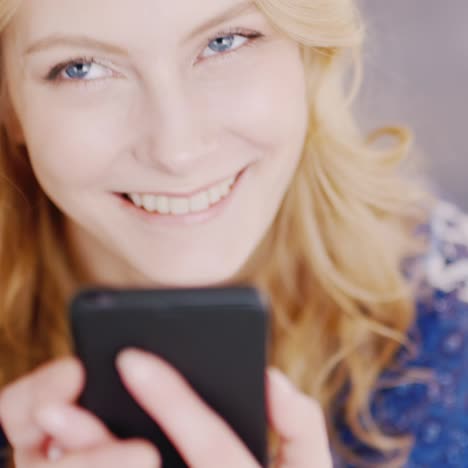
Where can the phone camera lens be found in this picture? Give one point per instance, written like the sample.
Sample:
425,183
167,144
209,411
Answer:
100,298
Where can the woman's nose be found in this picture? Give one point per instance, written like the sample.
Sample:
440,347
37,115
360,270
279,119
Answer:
178,134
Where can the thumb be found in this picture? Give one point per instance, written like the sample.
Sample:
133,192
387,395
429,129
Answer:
299,422
59,381
71,428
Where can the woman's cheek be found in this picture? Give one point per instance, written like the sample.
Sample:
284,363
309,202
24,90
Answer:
257,100
75,147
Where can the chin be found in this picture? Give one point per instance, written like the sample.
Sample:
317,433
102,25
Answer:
193,276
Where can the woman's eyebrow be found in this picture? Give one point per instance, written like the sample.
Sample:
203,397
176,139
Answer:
60,40
233,12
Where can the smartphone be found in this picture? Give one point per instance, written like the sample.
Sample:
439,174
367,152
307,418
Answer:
216,337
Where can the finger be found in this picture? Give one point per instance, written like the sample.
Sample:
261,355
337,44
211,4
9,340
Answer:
299,422
72,428
202,438
60,381
121,454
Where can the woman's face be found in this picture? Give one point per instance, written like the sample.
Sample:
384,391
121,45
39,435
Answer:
166,132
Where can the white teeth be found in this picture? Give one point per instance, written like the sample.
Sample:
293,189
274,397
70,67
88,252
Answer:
199,202
136,199
224,189
179,206
214,195
149,202
162,205
182,205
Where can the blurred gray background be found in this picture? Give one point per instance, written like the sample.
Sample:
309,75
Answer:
416,74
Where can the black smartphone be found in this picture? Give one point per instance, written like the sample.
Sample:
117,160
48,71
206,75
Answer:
216,337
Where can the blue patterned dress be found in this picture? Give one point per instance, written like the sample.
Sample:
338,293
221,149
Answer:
435,413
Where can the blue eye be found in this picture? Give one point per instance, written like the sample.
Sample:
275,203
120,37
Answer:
221,44
80,69
77,70
90,69
227,43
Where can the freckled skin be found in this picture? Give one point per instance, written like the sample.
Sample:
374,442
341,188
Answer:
163,117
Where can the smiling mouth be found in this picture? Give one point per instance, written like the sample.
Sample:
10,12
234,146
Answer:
180,205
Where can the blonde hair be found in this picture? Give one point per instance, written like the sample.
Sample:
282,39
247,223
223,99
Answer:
341,306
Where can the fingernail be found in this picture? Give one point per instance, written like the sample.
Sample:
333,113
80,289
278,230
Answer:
146,455
134,364
54,452
280,380
52,418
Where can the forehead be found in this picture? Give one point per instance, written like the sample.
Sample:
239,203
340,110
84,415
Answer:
35,17
137,27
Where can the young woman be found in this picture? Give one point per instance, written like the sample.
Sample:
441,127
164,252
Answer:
152,143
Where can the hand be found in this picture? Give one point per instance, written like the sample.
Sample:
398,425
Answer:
30,418
203,438
46,429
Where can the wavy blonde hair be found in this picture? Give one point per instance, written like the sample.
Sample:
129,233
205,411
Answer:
331,262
